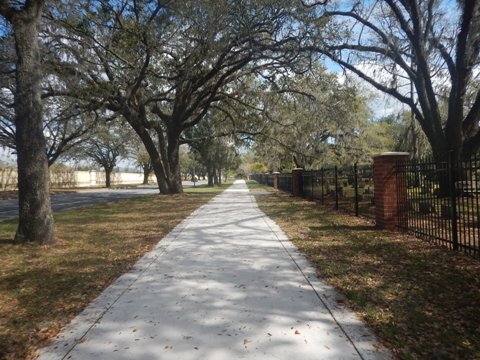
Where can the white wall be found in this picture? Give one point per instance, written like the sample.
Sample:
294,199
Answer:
72,179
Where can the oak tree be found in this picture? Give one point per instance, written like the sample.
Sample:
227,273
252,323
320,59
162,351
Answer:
35,213
432,44
162,65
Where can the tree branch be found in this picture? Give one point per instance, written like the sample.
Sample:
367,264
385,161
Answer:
6,10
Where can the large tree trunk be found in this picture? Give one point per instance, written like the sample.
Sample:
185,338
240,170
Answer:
146,174
108,177
215,176
447,161
210,175
152,151
35,213
173,156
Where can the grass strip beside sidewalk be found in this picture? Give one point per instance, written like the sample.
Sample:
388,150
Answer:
42,288
421,300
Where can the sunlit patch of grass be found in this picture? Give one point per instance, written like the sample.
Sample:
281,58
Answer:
423,301
42,288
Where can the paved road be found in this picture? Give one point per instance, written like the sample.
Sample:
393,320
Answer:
225,284
9,208
71,200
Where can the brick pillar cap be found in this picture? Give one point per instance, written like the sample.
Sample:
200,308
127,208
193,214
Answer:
276,173
391,153
297,169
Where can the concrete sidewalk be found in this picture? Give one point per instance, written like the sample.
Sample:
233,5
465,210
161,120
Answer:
225,284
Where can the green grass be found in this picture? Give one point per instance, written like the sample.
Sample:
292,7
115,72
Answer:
255,187
42,288
423,301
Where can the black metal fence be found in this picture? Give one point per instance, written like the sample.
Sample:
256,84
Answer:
442,202
265,179
437,200
285,182
346,188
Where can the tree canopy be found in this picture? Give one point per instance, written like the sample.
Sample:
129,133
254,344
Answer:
424,53
314,120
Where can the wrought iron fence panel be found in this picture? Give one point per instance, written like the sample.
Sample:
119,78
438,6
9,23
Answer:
347,188
307,183
269,180
442,201
285,182
437,200
318,185
365,188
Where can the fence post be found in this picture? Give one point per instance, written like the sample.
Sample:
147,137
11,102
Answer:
389,192
275,181
355,181
453,197
297,181
336,187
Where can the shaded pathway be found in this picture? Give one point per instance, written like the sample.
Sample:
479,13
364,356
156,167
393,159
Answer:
225,284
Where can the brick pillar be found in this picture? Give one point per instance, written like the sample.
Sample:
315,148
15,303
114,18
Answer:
390,191
275,180
297,182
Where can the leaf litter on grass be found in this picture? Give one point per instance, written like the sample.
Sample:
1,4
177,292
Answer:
43,287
